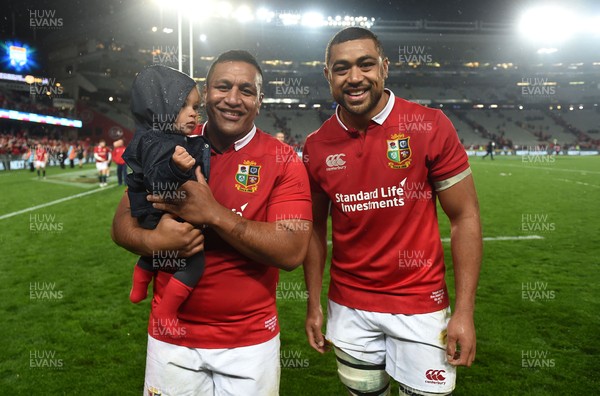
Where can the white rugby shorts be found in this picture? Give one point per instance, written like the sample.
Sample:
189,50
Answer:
173,370
413,347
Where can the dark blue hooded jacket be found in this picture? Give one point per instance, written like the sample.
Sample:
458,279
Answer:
157,96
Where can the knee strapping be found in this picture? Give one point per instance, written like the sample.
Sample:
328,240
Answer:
360,377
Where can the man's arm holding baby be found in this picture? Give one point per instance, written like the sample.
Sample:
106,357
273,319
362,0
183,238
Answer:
170,234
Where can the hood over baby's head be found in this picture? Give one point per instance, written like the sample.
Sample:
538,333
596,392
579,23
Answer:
157,95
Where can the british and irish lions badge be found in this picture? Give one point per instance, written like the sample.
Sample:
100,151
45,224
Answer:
247,176
398,151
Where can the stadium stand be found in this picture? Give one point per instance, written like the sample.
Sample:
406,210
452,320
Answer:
479,87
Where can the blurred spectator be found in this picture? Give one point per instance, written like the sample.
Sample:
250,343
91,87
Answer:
117,155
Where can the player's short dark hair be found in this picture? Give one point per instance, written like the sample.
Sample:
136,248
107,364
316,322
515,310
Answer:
234,56
352,33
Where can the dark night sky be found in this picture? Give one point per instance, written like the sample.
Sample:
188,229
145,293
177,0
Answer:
446,10
449,10
110,15
441,10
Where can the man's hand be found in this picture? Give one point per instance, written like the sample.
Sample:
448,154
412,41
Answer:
182,159
313,327
169,234
460,350
198,206
173,235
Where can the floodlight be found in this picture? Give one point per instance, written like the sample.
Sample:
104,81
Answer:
313,19
264,15
224,9
288,19
548,24
592,25
243,14
545,51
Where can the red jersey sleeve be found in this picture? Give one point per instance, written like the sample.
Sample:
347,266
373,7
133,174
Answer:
315,187
447,156
290,197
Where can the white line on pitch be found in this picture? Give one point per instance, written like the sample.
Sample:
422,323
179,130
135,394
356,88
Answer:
71,184
6,216
506,238
541,167
499,238
578,182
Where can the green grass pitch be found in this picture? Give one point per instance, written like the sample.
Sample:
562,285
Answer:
68,327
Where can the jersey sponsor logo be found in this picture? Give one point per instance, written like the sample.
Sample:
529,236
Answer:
399,151
247,177
436,376
335,162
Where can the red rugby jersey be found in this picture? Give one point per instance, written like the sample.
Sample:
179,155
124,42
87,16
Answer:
233,304
387,253
103,153
40,154
117,154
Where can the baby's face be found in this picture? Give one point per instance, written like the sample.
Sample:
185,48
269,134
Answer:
188,115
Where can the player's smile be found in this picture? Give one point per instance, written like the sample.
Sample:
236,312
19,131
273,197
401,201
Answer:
230,115
357,94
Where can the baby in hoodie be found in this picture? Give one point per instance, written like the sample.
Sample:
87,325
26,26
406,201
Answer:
162,156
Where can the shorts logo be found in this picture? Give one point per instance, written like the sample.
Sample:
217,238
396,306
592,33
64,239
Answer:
398,151
152,391
247,176
335,162
435,376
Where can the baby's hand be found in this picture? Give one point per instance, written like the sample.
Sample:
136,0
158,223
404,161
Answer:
182,159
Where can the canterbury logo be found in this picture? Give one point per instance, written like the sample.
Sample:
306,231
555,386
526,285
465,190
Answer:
335,160
435,375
